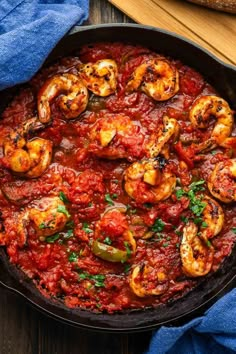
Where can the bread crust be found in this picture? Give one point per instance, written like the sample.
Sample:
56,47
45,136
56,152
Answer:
221,5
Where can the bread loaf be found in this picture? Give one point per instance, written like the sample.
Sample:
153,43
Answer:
224,5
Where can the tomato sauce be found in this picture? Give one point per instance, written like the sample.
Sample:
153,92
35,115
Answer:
73,265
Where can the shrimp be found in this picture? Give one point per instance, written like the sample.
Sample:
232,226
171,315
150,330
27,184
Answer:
222,181
147,182
155,77
100,77
213,217
48,216
148,281
196,256
116,137
157,142
73,100
202,110
31,158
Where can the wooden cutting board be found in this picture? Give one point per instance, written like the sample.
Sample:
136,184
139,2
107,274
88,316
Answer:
215,31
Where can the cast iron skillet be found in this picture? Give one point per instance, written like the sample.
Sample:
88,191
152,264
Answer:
223,78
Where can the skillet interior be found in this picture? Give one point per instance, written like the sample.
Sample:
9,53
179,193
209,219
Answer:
223,78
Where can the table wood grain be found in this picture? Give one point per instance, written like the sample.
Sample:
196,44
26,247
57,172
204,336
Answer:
24,330
213,30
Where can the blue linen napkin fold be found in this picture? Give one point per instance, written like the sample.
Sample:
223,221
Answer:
213,333
29,30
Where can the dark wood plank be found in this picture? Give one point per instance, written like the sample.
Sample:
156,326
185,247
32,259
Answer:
23,330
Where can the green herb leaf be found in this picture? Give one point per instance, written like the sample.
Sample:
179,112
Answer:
208,243
197,207
127,268
86,228
128,250
62,209
108,199
179,193
53,238
197,221
234,230
204,224
49,225
70,223
73,257
69,234
158,225
63,197
97,278
184,219
107,241
147,205
197,186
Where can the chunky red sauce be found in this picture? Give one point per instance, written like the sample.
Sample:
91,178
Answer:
108,234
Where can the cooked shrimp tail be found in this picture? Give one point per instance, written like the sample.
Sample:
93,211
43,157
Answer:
100,77
196,255
222,181
157,78
73,100
202,110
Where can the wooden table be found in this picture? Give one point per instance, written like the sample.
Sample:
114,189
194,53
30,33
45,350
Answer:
23,330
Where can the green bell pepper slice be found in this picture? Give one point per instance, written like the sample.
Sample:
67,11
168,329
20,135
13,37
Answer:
109,253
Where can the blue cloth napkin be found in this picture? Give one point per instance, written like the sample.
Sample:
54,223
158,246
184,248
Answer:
29,29
213,333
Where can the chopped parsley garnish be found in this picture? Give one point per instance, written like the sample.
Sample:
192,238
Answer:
130,210
97,278
184,219
128,250
70,223
204,224
107,241
86,228
47,225
53,238
197,186
196,204
63,197
208,243
108,199
234,230
197,221
68,234
73,257
127,268
147,205
158,226
179,193
165,245
62,209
